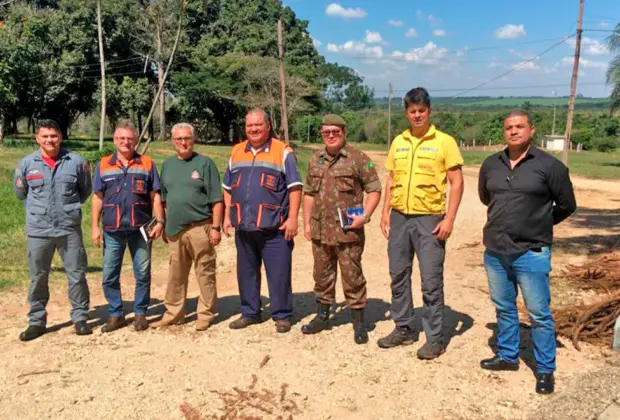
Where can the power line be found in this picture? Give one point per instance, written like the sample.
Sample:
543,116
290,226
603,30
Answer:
514,68
498,87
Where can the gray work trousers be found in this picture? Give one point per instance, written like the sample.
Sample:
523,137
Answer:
410,235
40,253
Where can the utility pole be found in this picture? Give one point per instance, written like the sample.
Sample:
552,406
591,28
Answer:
282,82
554,100
573,86
102,65
390,116
160,80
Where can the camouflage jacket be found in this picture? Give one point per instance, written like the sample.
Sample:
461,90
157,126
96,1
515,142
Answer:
338,182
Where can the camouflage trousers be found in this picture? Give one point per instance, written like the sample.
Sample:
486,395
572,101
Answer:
349,257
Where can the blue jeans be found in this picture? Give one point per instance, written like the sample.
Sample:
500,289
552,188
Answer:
114,244
530,271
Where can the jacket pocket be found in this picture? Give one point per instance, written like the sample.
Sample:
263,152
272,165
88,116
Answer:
270,181
111,217
74,213
315,176
235,179
235,214
269,216
140,214
345,179
69,184
139,185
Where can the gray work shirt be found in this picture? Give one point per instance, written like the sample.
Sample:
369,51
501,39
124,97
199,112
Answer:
52,197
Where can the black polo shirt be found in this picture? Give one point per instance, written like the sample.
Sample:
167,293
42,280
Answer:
525,202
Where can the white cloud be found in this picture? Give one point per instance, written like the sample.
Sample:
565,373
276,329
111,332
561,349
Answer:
494,63
420,14
439,32
336,10
411,33
585,63
434,20
373,37
429,54
604,24
462,52
526,65
396,23
520,55
356,48
590,46
510,32
317,44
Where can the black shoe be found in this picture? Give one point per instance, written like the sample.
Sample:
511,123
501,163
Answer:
283,326
497,363
320,322
431,351
545,383
401,336
360,335
82,328
243,322
32,332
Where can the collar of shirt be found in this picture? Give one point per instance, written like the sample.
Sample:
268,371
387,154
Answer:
532,152
429,134
263,148
342,152
63,154
116,161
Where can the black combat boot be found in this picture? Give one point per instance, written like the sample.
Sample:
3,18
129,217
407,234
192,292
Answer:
359,329
320,322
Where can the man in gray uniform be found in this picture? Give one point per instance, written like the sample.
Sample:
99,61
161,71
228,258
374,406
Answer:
52,184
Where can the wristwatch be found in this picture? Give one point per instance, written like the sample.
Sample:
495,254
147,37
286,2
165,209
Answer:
216,228
366,218
161,222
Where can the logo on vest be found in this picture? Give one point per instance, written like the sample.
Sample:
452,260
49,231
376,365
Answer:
140,186
195,175
268,181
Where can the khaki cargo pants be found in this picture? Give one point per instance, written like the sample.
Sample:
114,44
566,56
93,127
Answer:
191,246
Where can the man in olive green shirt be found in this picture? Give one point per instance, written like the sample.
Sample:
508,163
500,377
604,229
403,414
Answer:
190,186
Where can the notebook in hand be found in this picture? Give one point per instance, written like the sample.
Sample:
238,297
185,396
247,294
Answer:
145,229
343,215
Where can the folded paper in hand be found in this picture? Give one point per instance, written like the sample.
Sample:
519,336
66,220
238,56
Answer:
146,229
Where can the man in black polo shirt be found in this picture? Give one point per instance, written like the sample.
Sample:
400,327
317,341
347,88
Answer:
527,191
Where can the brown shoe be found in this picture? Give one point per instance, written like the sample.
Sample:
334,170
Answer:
283,326
140,323
202,325
243,322
114,323
167,322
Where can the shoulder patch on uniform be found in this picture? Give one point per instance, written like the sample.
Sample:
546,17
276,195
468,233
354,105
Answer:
371,164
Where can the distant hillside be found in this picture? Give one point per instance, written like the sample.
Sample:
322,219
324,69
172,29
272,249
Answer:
504,102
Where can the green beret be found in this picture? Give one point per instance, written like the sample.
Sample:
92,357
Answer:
333,119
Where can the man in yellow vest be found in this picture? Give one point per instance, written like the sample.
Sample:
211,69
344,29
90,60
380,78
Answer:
421,161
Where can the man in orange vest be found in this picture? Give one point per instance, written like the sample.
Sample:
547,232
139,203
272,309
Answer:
262,192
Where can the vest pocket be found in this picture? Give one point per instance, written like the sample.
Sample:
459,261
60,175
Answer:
269,216
140,214
344,179
139,186
111,217
74,213
69,184
235,214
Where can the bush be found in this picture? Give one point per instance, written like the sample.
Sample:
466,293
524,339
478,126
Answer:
605,144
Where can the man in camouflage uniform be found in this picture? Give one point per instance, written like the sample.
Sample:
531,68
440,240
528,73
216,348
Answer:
337,178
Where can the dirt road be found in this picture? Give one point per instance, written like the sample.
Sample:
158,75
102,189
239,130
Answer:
133,375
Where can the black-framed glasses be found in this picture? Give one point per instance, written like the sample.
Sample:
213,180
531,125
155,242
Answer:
335,133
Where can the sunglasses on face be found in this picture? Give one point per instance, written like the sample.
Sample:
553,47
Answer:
335,133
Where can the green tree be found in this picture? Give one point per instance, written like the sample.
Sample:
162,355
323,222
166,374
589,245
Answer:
613,70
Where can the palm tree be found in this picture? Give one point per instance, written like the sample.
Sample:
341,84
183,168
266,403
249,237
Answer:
613,71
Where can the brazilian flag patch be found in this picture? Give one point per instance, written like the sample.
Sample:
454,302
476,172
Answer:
371,164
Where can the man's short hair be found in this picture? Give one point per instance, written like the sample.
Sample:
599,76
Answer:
183,125
47,123
260,111
417,96
519,113
127,125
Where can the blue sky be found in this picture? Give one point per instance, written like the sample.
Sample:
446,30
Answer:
450,46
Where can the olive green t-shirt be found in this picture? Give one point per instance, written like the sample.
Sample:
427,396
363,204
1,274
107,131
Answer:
189,188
